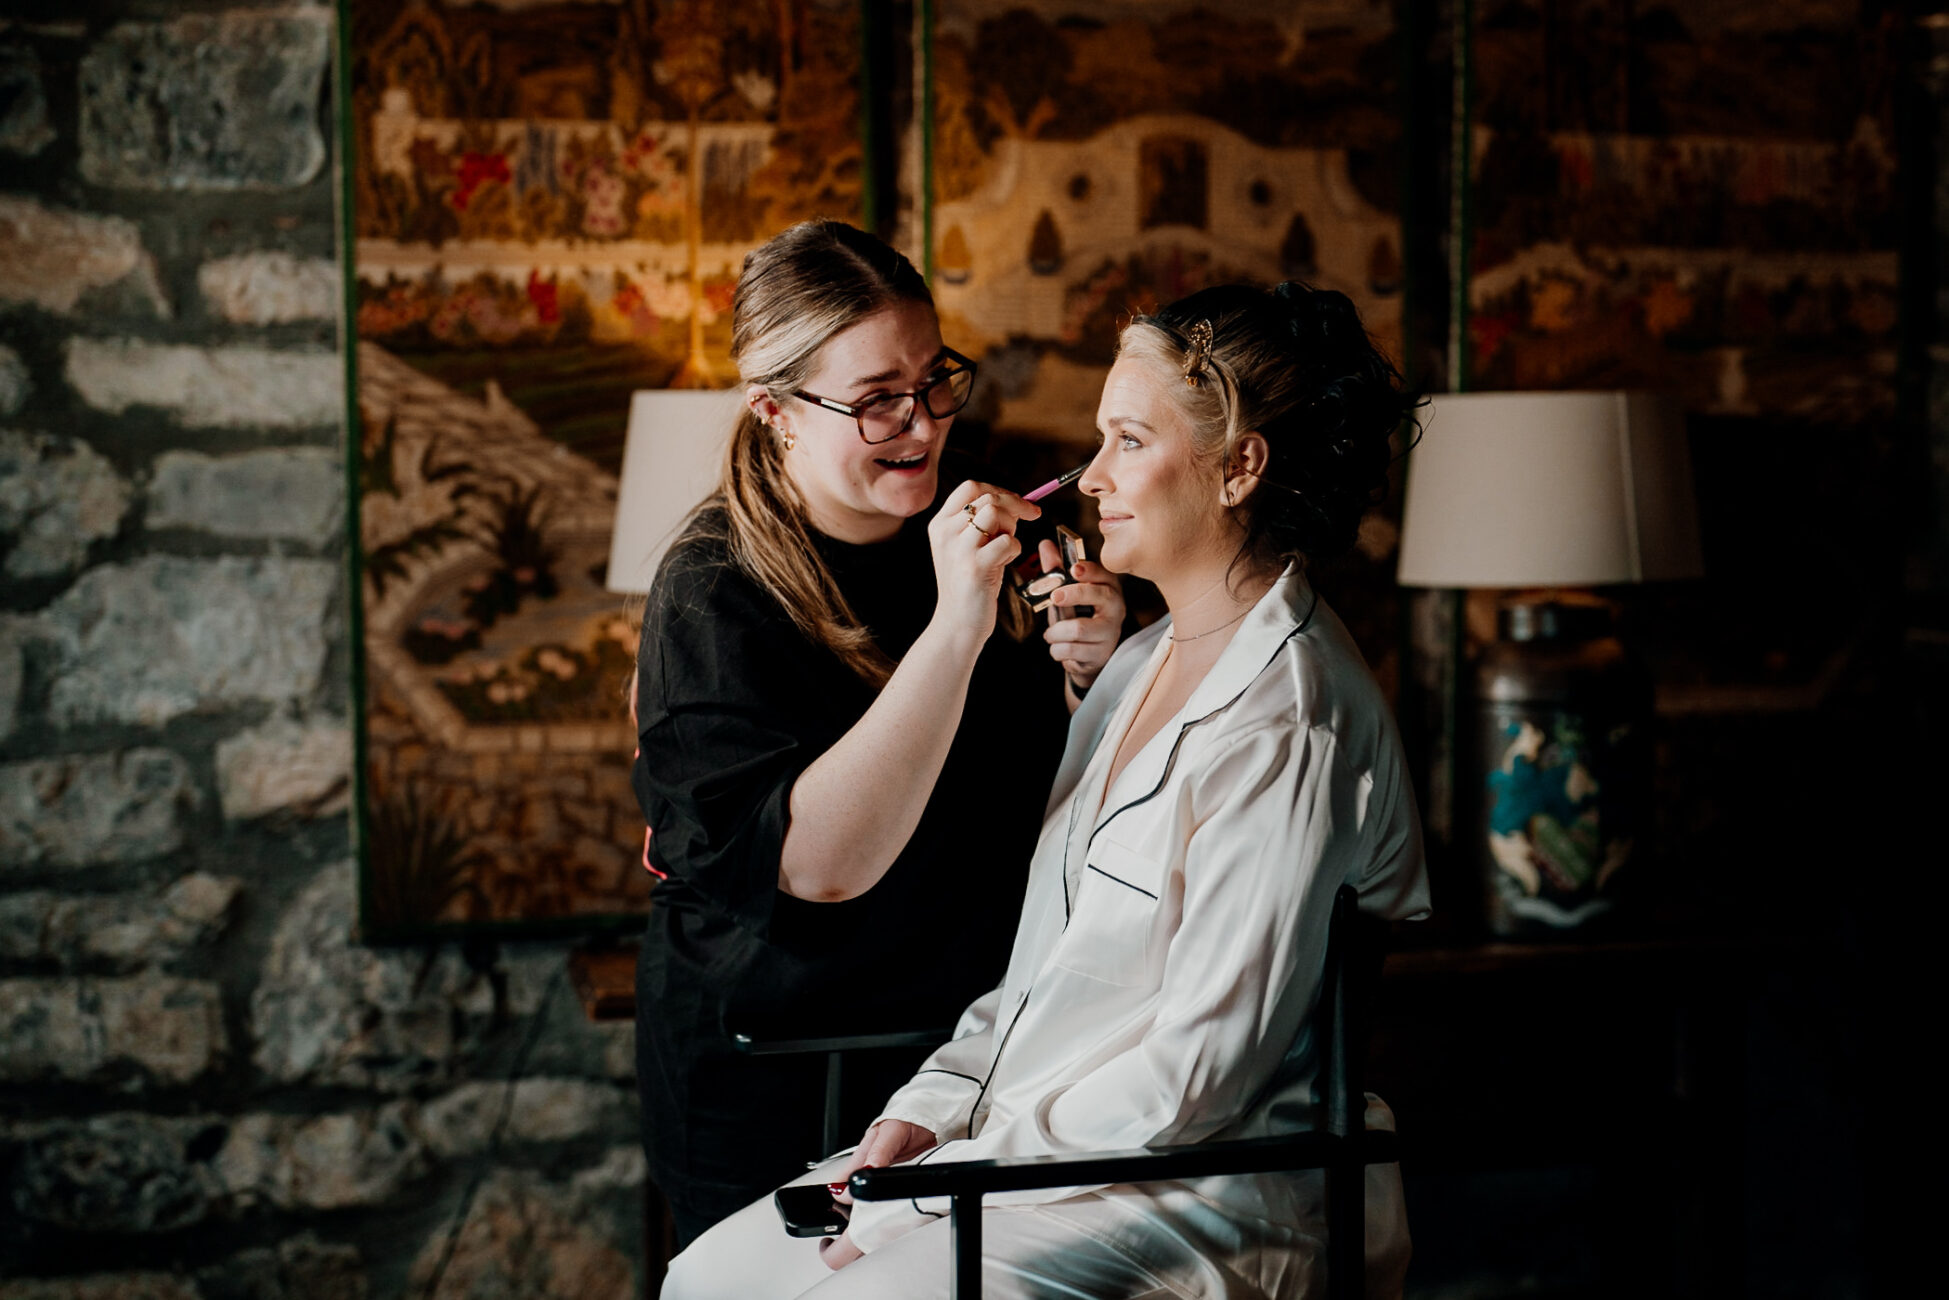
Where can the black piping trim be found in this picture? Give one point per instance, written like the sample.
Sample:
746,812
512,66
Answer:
1075,811
921,1159
954,1073
995,1062
1091,866
1171,762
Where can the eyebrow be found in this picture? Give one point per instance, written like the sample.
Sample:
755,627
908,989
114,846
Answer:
885,375
1117,420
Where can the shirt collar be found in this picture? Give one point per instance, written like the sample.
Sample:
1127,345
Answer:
1286,608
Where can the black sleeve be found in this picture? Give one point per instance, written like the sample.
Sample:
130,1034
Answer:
724,731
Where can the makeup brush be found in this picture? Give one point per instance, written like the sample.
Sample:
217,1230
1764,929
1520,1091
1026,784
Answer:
1060,481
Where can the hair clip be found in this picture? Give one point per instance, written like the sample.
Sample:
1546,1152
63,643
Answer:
1197,346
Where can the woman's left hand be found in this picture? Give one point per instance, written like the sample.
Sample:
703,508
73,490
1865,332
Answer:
887,1142
1083,645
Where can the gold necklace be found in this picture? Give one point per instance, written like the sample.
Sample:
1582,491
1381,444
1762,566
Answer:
1179,640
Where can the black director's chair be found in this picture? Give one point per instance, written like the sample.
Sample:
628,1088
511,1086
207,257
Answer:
835,1051
1341,1146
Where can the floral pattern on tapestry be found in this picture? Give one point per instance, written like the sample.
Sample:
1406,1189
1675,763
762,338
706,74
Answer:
551,199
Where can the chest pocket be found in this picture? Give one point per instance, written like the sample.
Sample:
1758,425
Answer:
1113,919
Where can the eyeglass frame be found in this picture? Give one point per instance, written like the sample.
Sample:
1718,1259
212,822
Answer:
919,395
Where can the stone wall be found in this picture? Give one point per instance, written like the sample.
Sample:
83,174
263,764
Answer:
207,1087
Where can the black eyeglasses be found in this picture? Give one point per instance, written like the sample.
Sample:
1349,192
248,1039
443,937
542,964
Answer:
888,415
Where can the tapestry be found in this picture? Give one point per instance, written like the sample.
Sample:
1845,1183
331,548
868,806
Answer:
551,201
1091,160
1701,200
1695,198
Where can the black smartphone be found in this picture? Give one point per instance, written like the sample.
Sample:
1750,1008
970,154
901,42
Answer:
810,1211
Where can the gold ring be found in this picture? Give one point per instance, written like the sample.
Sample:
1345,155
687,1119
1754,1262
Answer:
969,511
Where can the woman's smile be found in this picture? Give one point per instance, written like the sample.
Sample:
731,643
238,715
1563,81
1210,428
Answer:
855,490
915,463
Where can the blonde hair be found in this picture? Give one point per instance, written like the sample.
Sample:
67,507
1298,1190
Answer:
798,290
1295,366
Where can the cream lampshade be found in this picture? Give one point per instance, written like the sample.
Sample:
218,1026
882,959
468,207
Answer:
670,462
1551,491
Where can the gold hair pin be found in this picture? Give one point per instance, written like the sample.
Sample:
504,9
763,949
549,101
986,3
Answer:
1197,346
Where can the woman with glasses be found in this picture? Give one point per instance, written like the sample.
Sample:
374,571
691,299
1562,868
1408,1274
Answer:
841,763
1234,765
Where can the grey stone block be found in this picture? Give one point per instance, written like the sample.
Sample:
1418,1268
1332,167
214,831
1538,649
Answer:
24,127
525,1236
165,636
330,1013
57,495
623,1169
271,288
97,1030
16,385
208,101
227,388
115,1173
295,493
84,810
286,765
53,257
120,931
541,1110
324,1162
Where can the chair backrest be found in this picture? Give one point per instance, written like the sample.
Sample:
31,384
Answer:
1356,945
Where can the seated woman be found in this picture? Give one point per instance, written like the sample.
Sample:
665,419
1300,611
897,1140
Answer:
1232,766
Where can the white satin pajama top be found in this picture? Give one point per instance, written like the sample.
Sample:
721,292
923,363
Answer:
1169,954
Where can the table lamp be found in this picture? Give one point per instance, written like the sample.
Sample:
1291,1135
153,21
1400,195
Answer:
1549,495
671,459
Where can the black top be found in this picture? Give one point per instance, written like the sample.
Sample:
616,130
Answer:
733,704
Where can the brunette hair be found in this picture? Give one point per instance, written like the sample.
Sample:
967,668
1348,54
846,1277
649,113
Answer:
1296,366
798,290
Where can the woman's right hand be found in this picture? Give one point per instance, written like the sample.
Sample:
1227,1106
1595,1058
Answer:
972,549
887,1142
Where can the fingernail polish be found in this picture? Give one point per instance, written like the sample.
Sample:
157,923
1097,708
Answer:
836,1188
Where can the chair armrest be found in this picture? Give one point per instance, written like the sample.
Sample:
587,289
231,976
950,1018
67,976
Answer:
1198,1160
842,1043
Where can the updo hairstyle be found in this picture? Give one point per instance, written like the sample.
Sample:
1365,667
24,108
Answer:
1296,366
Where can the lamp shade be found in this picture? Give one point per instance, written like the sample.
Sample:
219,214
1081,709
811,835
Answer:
1549,490
670,463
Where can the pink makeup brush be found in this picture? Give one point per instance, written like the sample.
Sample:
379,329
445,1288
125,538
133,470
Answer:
1060,481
